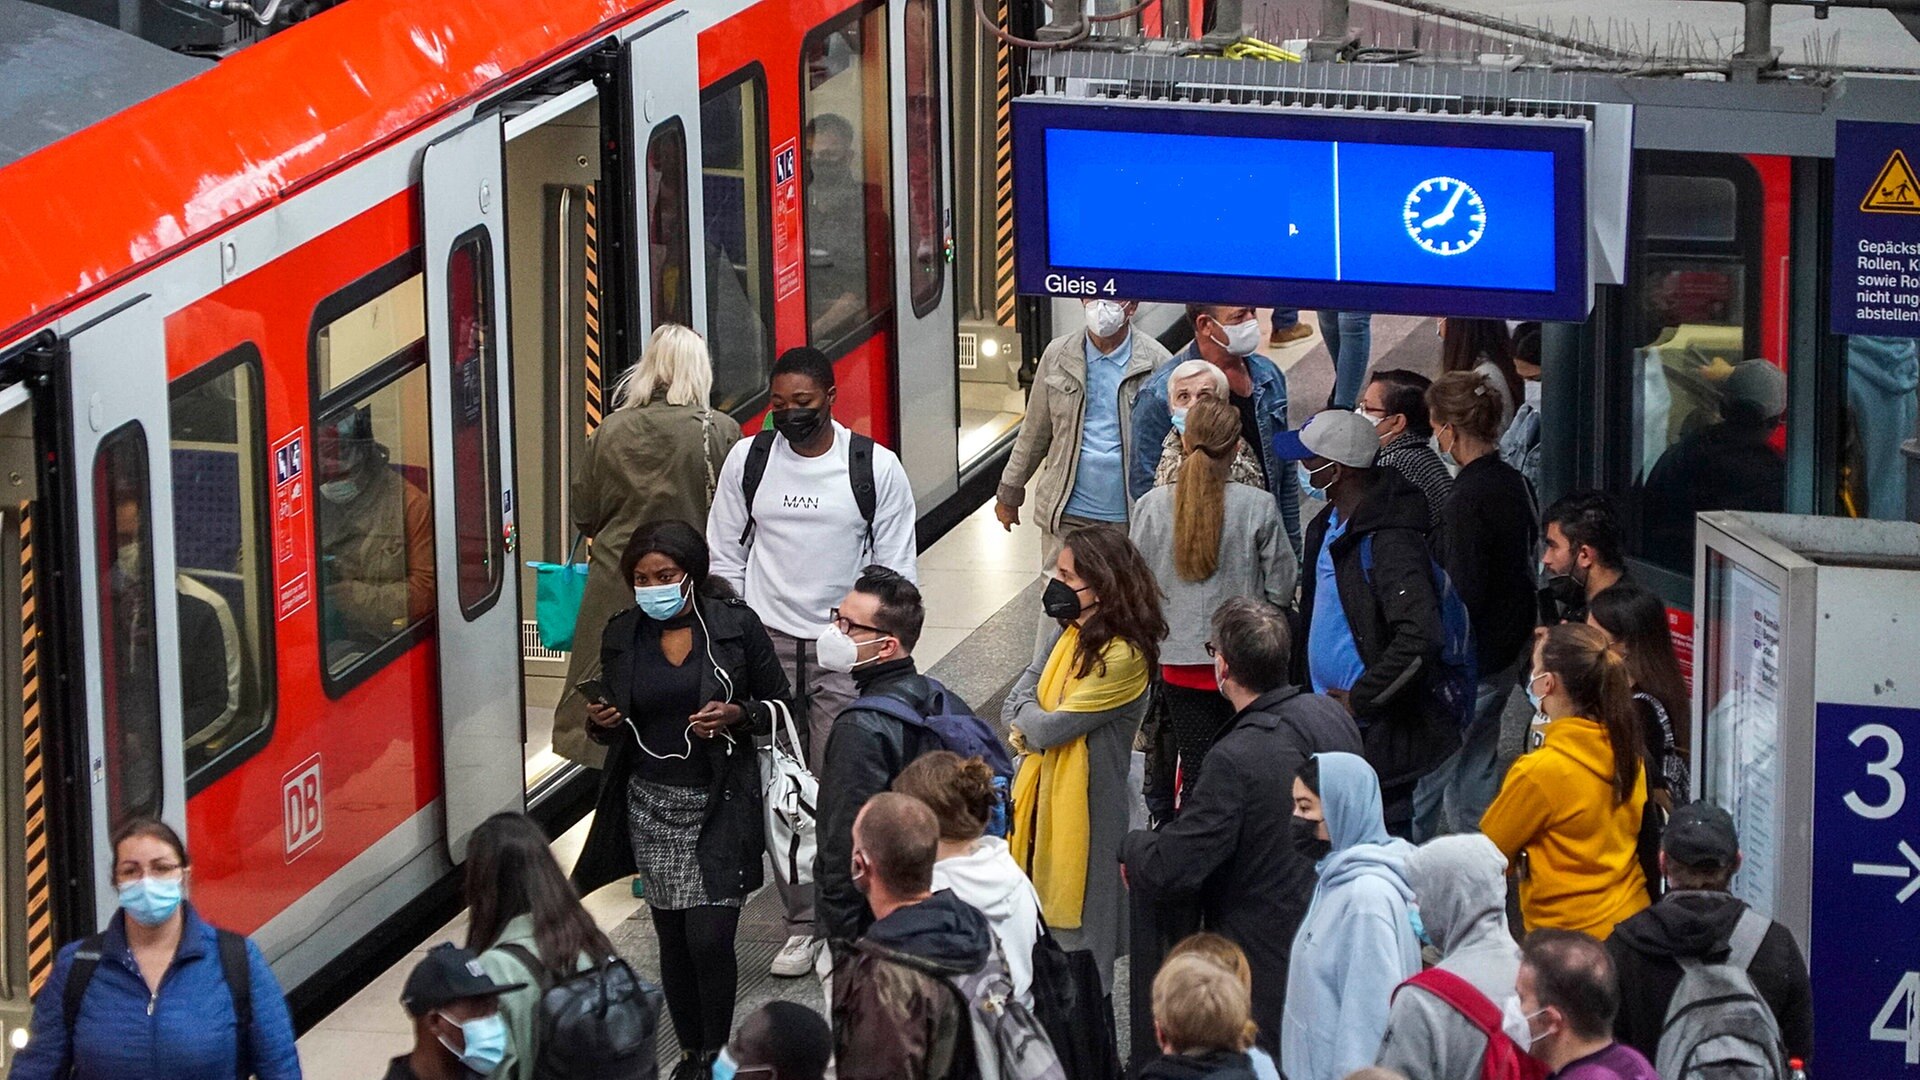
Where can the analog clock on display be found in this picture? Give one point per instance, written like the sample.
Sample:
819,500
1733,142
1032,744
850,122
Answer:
1445,216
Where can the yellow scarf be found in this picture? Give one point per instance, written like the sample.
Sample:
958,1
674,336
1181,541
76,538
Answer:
1051,817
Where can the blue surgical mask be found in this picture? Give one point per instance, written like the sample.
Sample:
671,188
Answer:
1180,421
1312,490
661,602
485,1038
1419,926
151,901
340,491
1532,697
724,1067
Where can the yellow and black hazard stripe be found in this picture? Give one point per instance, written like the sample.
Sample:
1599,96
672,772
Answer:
40,937
1003,297
594,381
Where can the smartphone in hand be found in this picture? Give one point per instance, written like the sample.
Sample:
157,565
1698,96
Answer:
596,692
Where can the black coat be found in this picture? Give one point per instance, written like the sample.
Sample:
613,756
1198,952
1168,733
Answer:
1232,847
1395,618
1699,924
865,752
1486,542
733,834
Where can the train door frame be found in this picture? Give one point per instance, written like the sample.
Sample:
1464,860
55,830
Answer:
663,92
26,890
926,382
106,397
462,183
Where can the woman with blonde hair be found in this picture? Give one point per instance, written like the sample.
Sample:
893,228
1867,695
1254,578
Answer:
653,458
1207,539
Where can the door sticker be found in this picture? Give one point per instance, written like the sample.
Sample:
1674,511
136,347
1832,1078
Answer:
786,220
292,539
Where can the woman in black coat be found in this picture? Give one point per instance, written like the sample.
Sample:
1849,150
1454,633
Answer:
688,677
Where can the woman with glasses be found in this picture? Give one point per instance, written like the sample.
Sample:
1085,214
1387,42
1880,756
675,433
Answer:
688,677
160,993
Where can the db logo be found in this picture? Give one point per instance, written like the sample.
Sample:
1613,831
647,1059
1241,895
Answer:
300,806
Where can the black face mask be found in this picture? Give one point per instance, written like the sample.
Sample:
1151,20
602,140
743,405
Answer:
799,425
1060,600
1310,847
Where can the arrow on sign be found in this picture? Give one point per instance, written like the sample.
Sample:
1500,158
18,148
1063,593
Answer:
1895,870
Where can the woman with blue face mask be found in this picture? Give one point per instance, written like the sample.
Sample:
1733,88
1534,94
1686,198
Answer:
162,993
688,676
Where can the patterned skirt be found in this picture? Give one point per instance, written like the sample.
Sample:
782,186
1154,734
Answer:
664,823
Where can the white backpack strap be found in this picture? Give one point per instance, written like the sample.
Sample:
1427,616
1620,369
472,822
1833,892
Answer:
1748,933
783,718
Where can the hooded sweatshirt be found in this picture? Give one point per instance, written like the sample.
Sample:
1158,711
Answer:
1357,941
895,1014
1461,883
1556,808
987,879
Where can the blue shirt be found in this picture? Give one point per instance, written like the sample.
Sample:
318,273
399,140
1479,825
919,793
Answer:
1333,660
1100,479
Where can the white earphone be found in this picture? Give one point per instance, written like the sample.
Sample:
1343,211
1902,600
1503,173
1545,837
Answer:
726,686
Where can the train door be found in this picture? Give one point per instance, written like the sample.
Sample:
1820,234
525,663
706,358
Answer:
928,385
130,666
27,935
462,183
668,195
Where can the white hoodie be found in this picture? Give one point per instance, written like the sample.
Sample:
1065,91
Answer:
987,879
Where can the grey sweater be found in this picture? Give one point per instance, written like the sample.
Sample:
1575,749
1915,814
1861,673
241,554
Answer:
1255,560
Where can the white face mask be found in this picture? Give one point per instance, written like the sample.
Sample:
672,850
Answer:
1514,1022
1531,390
127,559
835,651
1241,337
1105,317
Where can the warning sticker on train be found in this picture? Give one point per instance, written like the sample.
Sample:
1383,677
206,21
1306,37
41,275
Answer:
292,539
786,221
1895,191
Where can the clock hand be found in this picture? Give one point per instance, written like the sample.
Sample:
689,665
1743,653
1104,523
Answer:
1446,215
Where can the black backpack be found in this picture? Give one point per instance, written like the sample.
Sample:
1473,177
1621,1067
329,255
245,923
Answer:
597,1024
233,964
859,475
1071,1004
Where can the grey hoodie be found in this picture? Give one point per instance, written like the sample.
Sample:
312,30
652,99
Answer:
1460,882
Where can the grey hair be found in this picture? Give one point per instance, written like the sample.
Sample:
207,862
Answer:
675,365
1253,638
1196,366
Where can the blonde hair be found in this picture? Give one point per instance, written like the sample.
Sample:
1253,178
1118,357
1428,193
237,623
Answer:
675,364
1466,400
1200,1006
1218,949
1200,494
1187,369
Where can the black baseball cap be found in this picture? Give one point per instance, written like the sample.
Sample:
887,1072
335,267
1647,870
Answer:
448,974
1700,834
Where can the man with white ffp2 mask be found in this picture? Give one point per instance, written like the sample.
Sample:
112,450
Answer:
1074,439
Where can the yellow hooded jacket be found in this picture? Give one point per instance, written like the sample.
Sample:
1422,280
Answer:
1556,808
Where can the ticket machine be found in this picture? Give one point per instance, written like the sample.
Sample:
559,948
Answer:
1807,690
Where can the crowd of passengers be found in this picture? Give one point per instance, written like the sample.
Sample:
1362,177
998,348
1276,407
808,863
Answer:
1312,702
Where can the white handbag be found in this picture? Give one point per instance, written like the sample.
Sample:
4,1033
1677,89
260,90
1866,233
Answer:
790,795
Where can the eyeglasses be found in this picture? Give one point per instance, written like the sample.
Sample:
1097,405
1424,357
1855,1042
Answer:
848,626
1211,651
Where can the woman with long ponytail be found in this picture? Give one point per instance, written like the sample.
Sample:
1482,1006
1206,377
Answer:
1207,539
1568,815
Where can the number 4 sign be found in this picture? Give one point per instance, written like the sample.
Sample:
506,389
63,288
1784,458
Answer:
1902,1005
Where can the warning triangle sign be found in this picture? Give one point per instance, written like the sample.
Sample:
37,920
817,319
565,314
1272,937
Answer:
1896,190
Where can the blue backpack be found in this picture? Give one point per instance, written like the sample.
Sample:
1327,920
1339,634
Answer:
952,722
1456,683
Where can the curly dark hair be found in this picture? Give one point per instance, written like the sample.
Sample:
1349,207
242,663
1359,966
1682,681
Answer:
1129,596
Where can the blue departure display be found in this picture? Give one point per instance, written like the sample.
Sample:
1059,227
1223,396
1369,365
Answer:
1354,211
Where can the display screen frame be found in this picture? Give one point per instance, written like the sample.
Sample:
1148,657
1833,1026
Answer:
1566,139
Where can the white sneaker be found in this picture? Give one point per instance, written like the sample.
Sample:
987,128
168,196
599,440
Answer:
796,957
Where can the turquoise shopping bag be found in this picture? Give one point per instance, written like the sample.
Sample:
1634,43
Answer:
558,588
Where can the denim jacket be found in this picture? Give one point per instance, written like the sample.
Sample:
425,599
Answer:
1152,419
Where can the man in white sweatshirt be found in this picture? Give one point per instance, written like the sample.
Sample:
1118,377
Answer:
795,551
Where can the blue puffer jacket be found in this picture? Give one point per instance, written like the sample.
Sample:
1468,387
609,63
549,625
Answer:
187,1029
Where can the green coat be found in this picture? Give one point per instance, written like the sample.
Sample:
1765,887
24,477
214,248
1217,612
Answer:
518,1008
642,465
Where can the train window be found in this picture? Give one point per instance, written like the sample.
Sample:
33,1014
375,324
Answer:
130,682
372,475
223,584
1882,412
847,177
926,245
667,226
477,513
733,162
1708,416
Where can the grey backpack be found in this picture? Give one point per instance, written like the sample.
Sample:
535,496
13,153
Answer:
1717,1026
1009,1042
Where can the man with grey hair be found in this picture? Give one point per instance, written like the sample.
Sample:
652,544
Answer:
1230,835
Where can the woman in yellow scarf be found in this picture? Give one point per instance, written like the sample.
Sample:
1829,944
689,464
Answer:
1073,716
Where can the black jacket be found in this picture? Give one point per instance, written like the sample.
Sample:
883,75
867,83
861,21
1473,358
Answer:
1231,849
1698,924
895,1013
1486,544
864,753
733,834
1395,618
1217,1065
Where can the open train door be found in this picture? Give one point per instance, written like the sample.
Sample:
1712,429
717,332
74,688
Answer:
115,372
477,591
669,194
923,289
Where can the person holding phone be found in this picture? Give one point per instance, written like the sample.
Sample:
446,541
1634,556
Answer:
689,676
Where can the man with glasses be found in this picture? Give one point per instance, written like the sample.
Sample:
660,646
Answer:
1224,848
1395,403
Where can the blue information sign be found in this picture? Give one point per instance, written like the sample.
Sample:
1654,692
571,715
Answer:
1876,229
1865,948
1355,211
